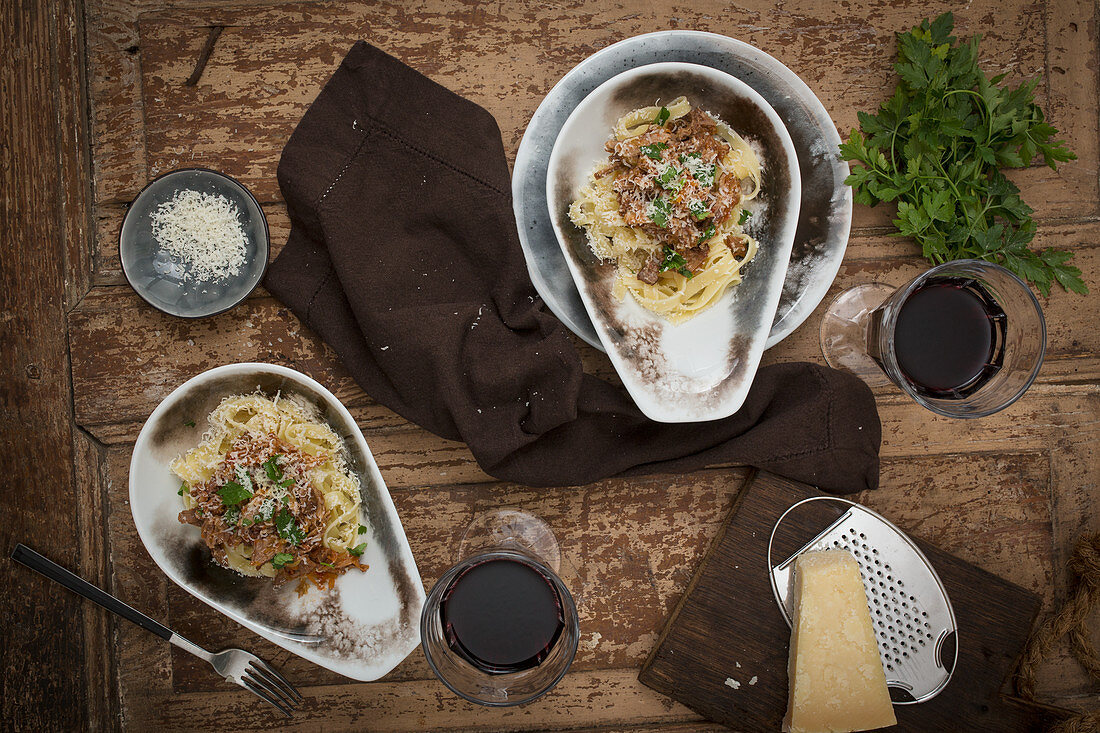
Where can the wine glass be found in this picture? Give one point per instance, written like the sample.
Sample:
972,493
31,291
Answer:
500,628
964,339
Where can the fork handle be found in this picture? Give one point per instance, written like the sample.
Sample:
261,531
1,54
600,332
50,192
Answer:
53,571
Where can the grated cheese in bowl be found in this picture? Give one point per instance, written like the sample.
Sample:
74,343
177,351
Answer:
202,232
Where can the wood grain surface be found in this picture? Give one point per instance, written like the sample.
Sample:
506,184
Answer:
726,625
96,105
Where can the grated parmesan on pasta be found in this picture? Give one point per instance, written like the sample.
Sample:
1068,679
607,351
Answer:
203,232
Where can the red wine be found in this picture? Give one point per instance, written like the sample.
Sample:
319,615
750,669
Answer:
502,615
949,337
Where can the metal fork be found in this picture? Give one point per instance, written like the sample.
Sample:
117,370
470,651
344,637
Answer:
235,665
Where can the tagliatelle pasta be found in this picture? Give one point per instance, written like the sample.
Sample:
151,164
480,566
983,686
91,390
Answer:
667,207
271,491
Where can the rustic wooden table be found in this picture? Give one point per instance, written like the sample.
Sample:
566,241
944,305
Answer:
94,105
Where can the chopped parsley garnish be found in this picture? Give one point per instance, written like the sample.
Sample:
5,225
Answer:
246,523
659,211
286,500
675,261
183,489
654,151
662,116
362,529
669,179
745,214
266,512
271,468
233,493
232,515
189,423
327,564
700,171
281,560
287,527
705,175
699,209
286,483
707,234
358,549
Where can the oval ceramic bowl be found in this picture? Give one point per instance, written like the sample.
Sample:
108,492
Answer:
702,368
367,623
825,216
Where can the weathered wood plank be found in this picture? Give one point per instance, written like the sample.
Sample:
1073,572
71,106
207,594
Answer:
113,330
584,699
258,82
78,238
630,545
100,668
143,660
41,660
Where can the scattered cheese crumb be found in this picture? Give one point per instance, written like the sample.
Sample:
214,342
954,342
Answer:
203,232
753,680
738,665
731,682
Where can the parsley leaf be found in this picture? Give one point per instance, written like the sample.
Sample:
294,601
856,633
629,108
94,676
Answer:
673,260
183,489
232,515
286,483
699,209
662,116
936,147
745,214
266,511
654,151
362,529
707,234
659,211
271,468
669,179
287,527
281,560
358,549
189,423
233,493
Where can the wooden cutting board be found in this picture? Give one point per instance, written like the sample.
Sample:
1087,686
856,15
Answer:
728,626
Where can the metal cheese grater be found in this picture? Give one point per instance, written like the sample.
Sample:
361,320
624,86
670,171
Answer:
912,615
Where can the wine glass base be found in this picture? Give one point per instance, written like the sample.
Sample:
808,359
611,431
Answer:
511,529
844,331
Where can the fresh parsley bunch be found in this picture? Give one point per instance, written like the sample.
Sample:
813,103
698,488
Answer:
936,148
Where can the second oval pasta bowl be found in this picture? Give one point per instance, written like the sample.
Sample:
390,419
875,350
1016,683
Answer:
365,624
700,368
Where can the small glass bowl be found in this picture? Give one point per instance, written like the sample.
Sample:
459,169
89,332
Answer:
158,279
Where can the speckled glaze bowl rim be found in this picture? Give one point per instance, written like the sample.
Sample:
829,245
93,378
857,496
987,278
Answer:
647,400
526,158
263,245
295,646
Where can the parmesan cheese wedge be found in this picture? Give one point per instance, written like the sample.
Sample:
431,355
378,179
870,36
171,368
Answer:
836,680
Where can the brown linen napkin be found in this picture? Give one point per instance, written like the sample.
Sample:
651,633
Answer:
403,255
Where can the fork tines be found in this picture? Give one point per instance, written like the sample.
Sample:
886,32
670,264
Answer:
270,686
